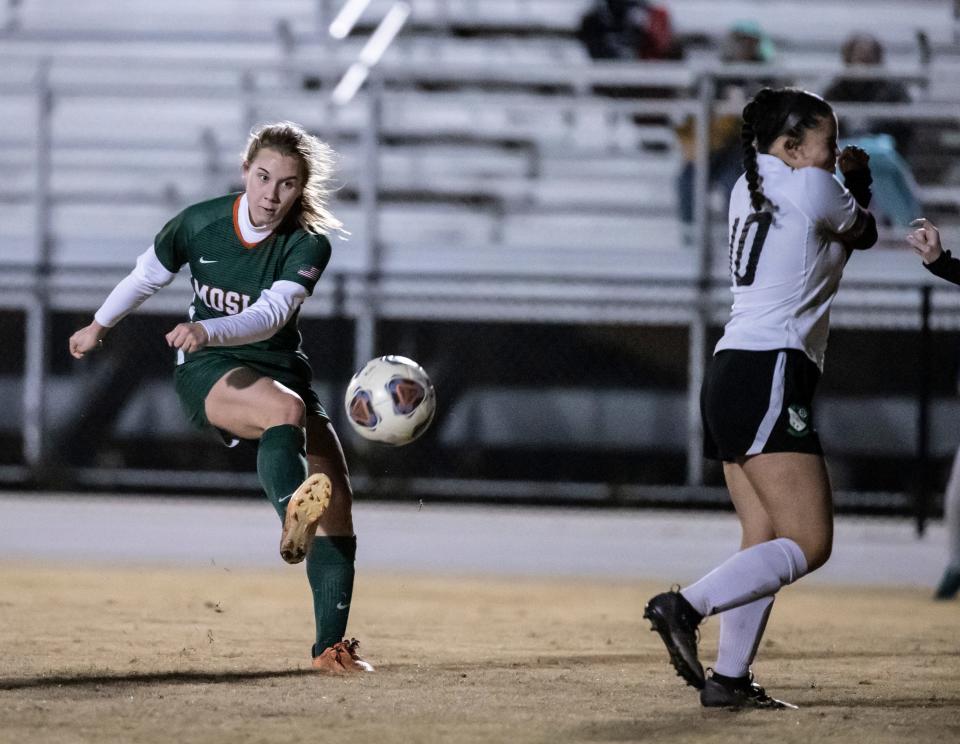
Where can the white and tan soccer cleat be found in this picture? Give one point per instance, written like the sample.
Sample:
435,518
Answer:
304,509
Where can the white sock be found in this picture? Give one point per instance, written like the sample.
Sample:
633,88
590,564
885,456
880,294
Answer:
759,571
740,632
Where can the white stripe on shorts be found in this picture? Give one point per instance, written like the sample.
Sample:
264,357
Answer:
773,410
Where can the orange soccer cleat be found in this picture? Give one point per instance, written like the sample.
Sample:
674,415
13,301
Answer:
342,658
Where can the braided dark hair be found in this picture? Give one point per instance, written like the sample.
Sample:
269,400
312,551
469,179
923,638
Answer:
771,113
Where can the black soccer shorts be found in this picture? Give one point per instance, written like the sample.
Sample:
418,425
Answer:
755,402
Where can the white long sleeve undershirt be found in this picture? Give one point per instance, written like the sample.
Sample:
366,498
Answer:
148,277
261,320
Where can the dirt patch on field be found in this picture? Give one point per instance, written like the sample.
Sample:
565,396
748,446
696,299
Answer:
219,655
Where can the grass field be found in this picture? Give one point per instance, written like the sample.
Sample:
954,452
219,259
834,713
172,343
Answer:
102,654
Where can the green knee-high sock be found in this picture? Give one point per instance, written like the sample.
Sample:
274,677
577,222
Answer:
330,571
282,463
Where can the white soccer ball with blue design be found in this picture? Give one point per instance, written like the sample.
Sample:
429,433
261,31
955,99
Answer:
391,400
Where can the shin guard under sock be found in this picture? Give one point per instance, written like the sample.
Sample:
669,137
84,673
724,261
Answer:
330,569
758,571
282,463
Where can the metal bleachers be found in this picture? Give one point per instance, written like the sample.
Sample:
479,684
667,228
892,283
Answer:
490,174
481,165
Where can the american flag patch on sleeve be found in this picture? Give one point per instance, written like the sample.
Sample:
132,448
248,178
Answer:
310,272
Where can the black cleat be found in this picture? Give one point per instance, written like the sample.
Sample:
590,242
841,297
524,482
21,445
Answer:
949,585
673,617
738,693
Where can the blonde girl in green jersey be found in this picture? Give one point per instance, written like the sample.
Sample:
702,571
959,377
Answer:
254,257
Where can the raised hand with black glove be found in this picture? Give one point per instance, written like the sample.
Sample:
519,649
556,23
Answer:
855,166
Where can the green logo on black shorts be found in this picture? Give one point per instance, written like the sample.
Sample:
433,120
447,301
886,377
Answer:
798,421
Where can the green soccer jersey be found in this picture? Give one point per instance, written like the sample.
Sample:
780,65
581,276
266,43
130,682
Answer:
228,274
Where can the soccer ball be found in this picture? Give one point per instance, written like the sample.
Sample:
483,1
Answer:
391,400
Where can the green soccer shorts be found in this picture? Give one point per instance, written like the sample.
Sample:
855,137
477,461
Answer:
194,378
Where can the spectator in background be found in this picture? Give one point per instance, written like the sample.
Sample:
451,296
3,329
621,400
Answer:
745,42
862,51
886,141
627,29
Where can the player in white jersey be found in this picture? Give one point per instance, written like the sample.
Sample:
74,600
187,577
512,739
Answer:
925,240
793,226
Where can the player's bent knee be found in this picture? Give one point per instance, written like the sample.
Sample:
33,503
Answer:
290,409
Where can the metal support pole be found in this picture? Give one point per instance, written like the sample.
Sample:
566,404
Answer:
700,316
365,341
248,96
38,313
211,163
696,367
922,499
706,92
